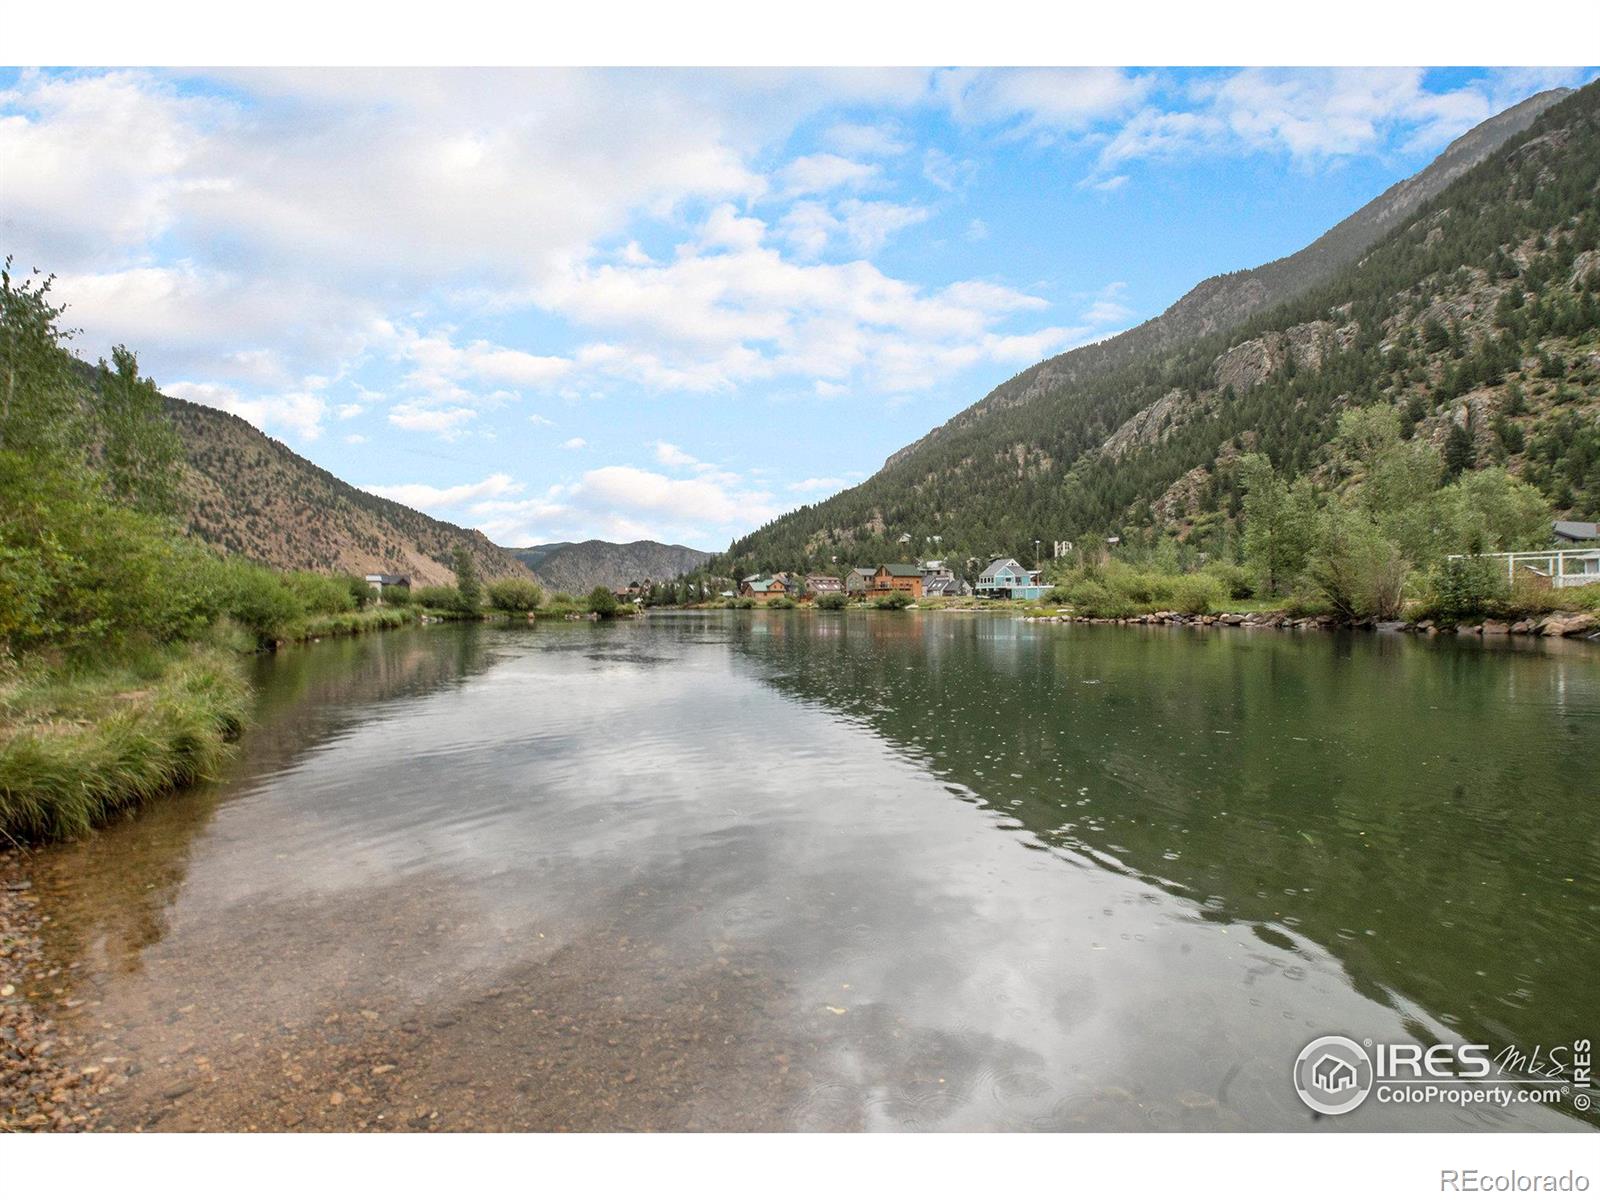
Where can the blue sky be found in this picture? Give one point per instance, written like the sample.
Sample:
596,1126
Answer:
556,304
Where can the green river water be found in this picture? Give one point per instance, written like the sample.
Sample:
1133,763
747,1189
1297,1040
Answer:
845,871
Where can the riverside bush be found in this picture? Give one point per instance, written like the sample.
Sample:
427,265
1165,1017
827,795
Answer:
439,597
515,595
1468,587
1196,593
832,601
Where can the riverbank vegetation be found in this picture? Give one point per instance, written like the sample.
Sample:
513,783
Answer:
122,639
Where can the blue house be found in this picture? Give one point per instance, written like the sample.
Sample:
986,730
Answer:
1007,579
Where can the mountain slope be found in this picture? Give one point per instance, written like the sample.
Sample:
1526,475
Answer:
250,494
1223,301
582,566
1097,440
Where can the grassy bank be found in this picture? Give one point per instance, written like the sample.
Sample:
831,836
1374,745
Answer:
78,742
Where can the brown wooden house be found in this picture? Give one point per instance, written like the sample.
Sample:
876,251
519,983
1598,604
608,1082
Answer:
896,577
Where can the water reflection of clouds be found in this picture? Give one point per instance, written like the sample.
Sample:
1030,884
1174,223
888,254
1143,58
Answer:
685,784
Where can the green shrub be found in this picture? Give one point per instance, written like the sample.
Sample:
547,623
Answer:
892,602
396,594
1468,587
781,602
602,602
1238,583
258,599
832,601
742,602
439,597
515,595
1196,594
320,593
1355,570
1093,598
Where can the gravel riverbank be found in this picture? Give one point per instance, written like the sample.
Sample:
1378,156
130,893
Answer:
39,1090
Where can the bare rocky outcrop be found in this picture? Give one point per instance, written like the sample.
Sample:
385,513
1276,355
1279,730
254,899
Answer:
1250,363
1153,425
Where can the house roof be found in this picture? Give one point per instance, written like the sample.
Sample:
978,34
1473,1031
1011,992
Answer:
389,580
1001,564
901,569
1578,531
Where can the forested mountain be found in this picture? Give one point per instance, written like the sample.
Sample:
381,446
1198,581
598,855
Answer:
578,567
249,494
1464,297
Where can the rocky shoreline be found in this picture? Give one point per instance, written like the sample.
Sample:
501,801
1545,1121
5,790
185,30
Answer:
39,1091
1556,624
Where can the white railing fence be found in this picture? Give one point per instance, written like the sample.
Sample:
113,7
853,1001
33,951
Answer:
1563,568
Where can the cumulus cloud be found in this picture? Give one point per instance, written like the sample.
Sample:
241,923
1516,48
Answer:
423,495
1044,100
672,456
1313,115
627,503
574,443
298,412
859,226
419,418
713,319
818,173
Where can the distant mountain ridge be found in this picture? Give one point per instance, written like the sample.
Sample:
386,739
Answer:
582,566
249,494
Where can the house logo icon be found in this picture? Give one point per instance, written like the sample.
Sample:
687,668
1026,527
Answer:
1333,1075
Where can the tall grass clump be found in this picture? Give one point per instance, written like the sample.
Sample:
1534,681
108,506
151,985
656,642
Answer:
77,744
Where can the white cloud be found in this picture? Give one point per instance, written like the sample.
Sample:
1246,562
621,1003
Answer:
300,413
814,174
422,495
977,230
626,503
1112,184
1107,307
574,443
438,364
862,226
355,439
672,456
818,484
536,419
869,141
945,172
419,418
708,321
1314,114
349,411
1048,100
